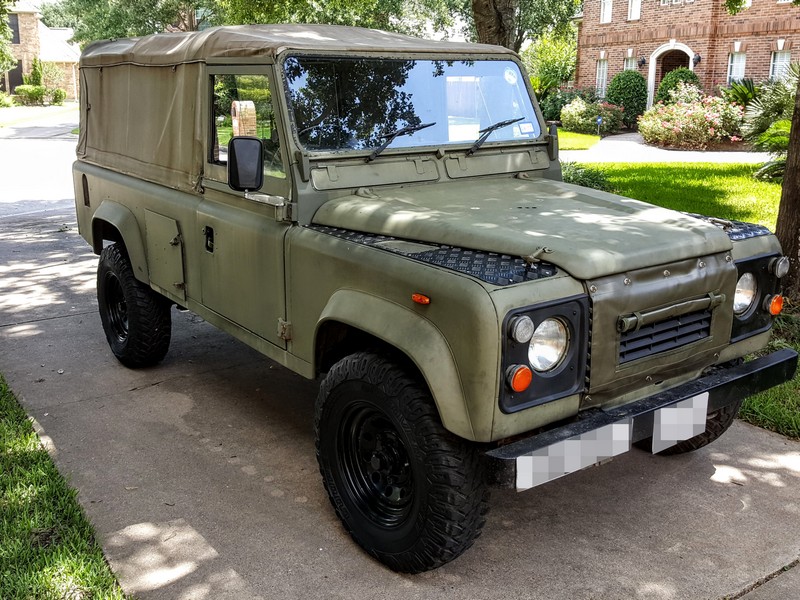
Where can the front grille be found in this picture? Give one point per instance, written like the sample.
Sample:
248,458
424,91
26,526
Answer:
665,335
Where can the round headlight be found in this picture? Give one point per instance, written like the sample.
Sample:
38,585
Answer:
521,329
548,345
745,294
780,266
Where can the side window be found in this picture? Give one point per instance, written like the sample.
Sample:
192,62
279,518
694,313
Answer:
242,106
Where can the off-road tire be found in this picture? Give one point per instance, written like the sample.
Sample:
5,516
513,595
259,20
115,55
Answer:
410,493
717,423
136,319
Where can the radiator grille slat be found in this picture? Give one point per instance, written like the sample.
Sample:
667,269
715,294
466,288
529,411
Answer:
665,335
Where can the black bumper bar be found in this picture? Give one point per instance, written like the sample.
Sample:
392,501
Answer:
725,386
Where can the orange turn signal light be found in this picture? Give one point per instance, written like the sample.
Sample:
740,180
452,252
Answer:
519,377
775,304
421,299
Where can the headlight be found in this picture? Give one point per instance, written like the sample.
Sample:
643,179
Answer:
548,345
745,295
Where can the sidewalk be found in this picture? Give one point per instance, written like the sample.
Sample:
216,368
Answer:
630,147
39,122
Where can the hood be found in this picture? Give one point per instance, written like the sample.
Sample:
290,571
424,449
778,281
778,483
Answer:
586,232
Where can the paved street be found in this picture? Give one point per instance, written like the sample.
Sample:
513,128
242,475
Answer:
199,474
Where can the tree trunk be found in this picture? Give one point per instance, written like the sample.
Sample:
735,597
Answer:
495,21
788,227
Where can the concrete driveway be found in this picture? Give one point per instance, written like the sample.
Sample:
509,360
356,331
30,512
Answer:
199,474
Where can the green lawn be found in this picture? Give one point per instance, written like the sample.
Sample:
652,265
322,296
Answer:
568,140
47,546
720,190
730,192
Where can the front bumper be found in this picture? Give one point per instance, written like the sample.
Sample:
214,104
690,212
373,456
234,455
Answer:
669,417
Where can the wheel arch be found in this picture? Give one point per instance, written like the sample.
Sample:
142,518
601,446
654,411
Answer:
353,320
116,223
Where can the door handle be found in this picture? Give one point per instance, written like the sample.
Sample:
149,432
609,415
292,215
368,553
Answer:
208,232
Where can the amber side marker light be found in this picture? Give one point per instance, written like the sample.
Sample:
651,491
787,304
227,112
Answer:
519,377
421,299
775,304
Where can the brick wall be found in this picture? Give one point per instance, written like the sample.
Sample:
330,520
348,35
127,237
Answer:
701,27
28,47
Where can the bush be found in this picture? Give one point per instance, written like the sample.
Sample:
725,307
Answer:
31,94
35,76
628,89
774,103
691,125
57,96
670,82
585,176
553,55
741,92
542,87
552,104
5,100
581,116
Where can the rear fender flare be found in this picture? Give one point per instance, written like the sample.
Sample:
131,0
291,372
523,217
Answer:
124,221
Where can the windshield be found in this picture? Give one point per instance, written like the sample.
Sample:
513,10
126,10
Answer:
354,104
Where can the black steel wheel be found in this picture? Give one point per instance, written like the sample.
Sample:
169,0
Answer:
136,319
717,423
410,493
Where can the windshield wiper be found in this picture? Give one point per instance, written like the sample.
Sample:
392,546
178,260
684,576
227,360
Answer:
389,138
485,133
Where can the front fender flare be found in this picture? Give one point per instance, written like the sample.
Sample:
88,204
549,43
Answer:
124,221
417,338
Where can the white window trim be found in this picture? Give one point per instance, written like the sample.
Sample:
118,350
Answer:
731,65
630,64
784,65
634,15
606,11
601,77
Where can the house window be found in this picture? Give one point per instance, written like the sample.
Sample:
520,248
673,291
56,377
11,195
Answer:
605,11
602,77
736,62
630,64
634,10
779,65
13,23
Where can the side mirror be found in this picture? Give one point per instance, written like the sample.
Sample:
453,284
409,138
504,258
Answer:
245,163
552,142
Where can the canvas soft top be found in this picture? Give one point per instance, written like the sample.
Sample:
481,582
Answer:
242,41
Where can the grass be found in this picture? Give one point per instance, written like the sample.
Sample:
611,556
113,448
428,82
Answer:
48,549
568,140
728,191
719,190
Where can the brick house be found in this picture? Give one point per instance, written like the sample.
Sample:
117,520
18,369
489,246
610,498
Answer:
656,36
30,38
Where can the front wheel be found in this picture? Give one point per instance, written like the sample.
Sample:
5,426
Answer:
410,493
136,320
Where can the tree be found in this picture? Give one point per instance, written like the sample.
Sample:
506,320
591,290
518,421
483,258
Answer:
54,14
510,22
104,19
7,60
552,56
788,226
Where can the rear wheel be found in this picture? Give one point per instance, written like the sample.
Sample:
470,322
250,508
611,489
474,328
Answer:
409,492
136,320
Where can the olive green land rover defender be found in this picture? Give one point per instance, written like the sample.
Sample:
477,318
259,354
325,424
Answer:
387,214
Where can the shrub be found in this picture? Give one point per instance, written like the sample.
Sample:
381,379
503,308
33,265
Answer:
774,103
542,87
585,176
35,76
581,116
553,55
628,89
5,100
774,140
670,82
686,93
691,125
741,92
31,94
57,96
554,102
